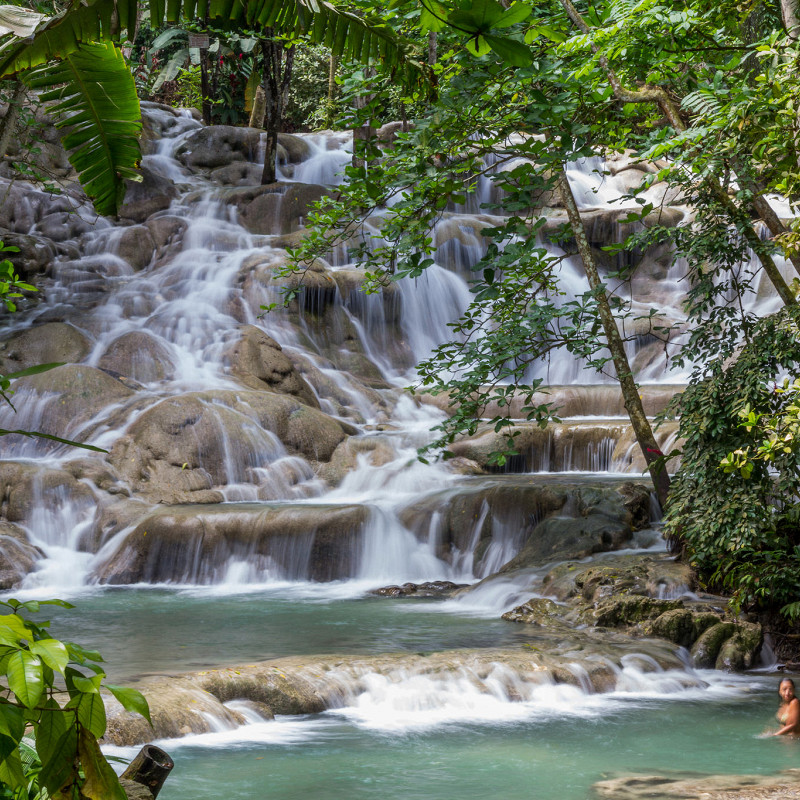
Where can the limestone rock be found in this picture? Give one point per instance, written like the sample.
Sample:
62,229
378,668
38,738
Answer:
139,356
294,148
146,197
630,610
218,145
194,544
50,343
18,556
740,651
538,611
136,246
259,362
190,443
277,208
676,625
74,394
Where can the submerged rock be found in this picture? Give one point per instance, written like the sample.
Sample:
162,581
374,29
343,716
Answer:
427,589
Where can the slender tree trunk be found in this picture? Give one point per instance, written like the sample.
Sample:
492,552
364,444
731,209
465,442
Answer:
433,42
630,391
276,83
657,95
791,18
333,63
365,132
8,125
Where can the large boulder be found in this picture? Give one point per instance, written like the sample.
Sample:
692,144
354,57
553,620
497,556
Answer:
259,362
218,145
70,397
191,544
145,197
139,356
53,342
183,446
18,556
277,208
27,489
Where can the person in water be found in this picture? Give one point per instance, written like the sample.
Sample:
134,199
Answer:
789,712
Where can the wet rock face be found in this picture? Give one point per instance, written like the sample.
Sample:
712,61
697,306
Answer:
259,362
195,544
219,145
426,590
139,356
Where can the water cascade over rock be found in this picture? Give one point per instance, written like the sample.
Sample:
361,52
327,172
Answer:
247,450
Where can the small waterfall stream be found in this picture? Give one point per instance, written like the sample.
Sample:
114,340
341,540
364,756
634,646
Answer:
262,479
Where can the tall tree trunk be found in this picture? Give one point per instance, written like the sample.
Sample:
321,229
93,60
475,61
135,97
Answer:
333,63
8,125
276,82
791,18
433,42
630,391
364,132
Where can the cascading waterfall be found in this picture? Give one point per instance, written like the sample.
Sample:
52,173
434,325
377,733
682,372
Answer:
263,467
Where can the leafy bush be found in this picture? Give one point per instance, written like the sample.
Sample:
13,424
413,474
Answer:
52,712
734,501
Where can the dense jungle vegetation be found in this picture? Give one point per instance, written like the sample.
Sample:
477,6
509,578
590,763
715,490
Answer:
707,92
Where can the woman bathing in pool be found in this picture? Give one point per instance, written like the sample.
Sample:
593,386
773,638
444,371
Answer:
789,712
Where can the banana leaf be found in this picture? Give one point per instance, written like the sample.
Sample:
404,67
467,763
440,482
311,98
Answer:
98,109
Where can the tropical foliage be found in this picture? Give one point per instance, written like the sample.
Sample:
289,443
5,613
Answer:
53,712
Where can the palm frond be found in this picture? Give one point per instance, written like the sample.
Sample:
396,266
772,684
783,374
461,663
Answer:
97,104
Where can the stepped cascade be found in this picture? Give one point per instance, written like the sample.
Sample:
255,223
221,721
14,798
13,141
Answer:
273,456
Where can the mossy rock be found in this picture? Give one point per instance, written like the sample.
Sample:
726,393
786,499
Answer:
706,649
676,625
740,651
630,610
538,611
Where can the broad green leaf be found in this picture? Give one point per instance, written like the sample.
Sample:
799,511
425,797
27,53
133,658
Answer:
131,700
165,37
91,712
101,781
12,721
80,654
98,107
11,772
250,88
7,746
433,16
478,46
56,602
52,652
511,51
14,625
52,726
518,12
60,768
25,677
87,685
480,16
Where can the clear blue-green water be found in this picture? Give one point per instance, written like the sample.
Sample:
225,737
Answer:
403,746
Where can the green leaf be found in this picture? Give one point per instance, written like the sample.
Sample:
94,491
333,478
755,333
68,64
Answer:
80,654
511,51
91,712
131,700
11,772
25,677
60,768
98,107
35,370
433,16
53,724
101,781
518,12
39,435
478,46
12,721
52,652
